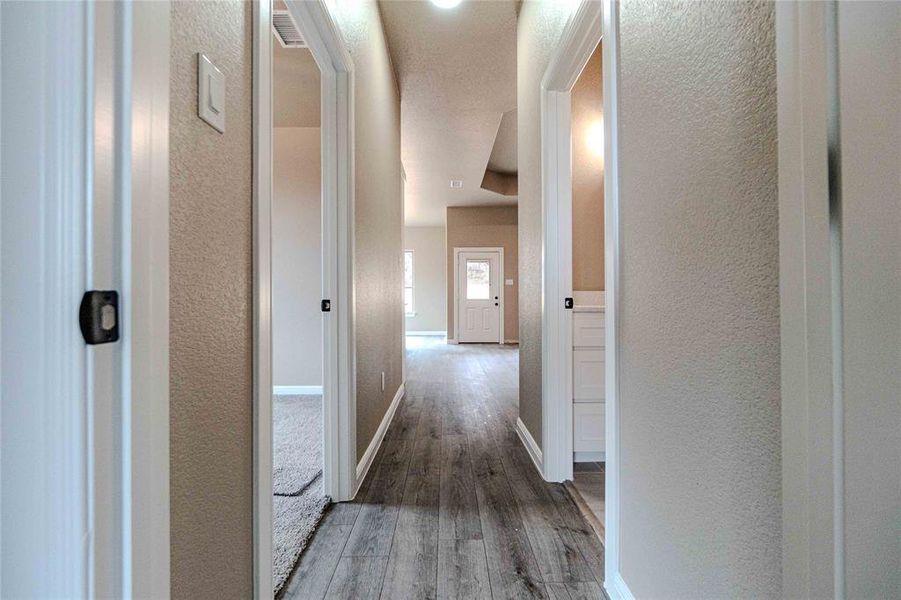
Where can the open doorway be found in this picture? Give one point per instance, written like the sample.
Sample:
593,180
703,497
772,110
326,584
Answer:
588,344
578,326
298,496
287,464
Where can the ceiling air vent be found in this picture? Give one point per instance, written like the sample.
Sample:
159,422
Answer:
456,183
285,29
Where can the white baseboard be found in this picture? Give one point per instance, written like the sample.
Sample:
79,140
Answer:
529,442
617,589
375,444
451,341
428,333
580,457
297,390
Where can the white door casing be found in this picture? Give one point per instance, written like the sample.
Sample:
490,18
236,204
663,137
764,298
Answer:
85,462
478,293
340,481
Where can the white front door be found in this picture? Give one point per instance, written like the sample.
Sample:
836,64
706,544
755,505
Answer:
478,290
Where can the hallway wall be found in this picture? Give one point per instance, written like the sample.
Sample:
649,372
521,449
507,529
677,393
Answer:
296,256
429,278
486,226
700,488
379,218
588,177
539,27
210,354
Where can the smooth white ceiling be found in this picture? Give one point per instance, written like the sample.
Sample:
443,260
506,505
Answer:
456,70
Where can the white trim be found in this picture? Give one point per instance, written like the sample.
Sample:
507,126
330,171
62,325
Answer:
501,312
616,587
149,551
427,333
366,461
325,42
612,294
262,300
297,390
452,341
531,446
811,556
578,41
579,457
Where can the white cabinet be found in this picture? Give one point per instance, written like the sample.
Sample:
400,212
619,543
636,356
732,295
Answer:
588,377
588,374
588,330
588,427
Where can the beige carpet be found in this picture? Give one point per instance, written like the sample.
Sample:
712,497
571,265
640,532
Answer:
297,502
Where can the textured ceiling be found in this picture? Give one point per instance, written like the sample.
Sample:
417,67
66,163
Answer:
456,71
295,87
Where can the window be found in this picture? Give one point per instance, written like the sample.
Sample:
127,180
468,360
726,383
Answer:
408,282
478,279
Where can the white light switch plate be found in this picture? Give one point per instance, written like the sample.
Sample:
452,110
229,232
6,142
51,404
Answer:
508,282
210,93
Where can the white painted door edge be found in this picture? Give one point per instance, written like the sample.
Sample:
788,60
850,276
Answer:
339,378
456,294
149,282
612,296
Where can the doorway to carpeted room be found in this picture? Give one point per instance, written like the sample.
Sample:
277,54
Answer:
298,501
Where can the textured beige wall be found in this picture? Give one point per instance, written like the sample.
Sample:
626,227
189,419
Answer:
588,178
379,217
429,278
486,226
700,477
539,27
296,256
210,357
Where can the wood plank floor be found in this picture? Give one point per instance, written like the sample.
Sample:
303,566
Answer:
453,506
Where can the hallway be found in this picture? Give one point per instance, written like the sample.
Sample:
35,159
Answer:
453,506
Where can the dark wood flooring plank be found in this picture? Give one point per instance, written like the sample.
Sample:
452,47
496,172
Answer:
558,557
584,537
462,570
357,578
459,515
374,527
512,568
427,445
413,564
313,573
575,591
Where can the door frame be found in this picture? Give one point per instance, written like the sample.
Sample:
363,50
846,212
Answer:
131,457
591,22
501,315
321,33
578,41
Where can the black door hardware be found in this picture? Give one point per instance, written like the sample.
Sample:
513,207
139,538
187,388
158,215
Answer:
98,316
567,303
326,306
